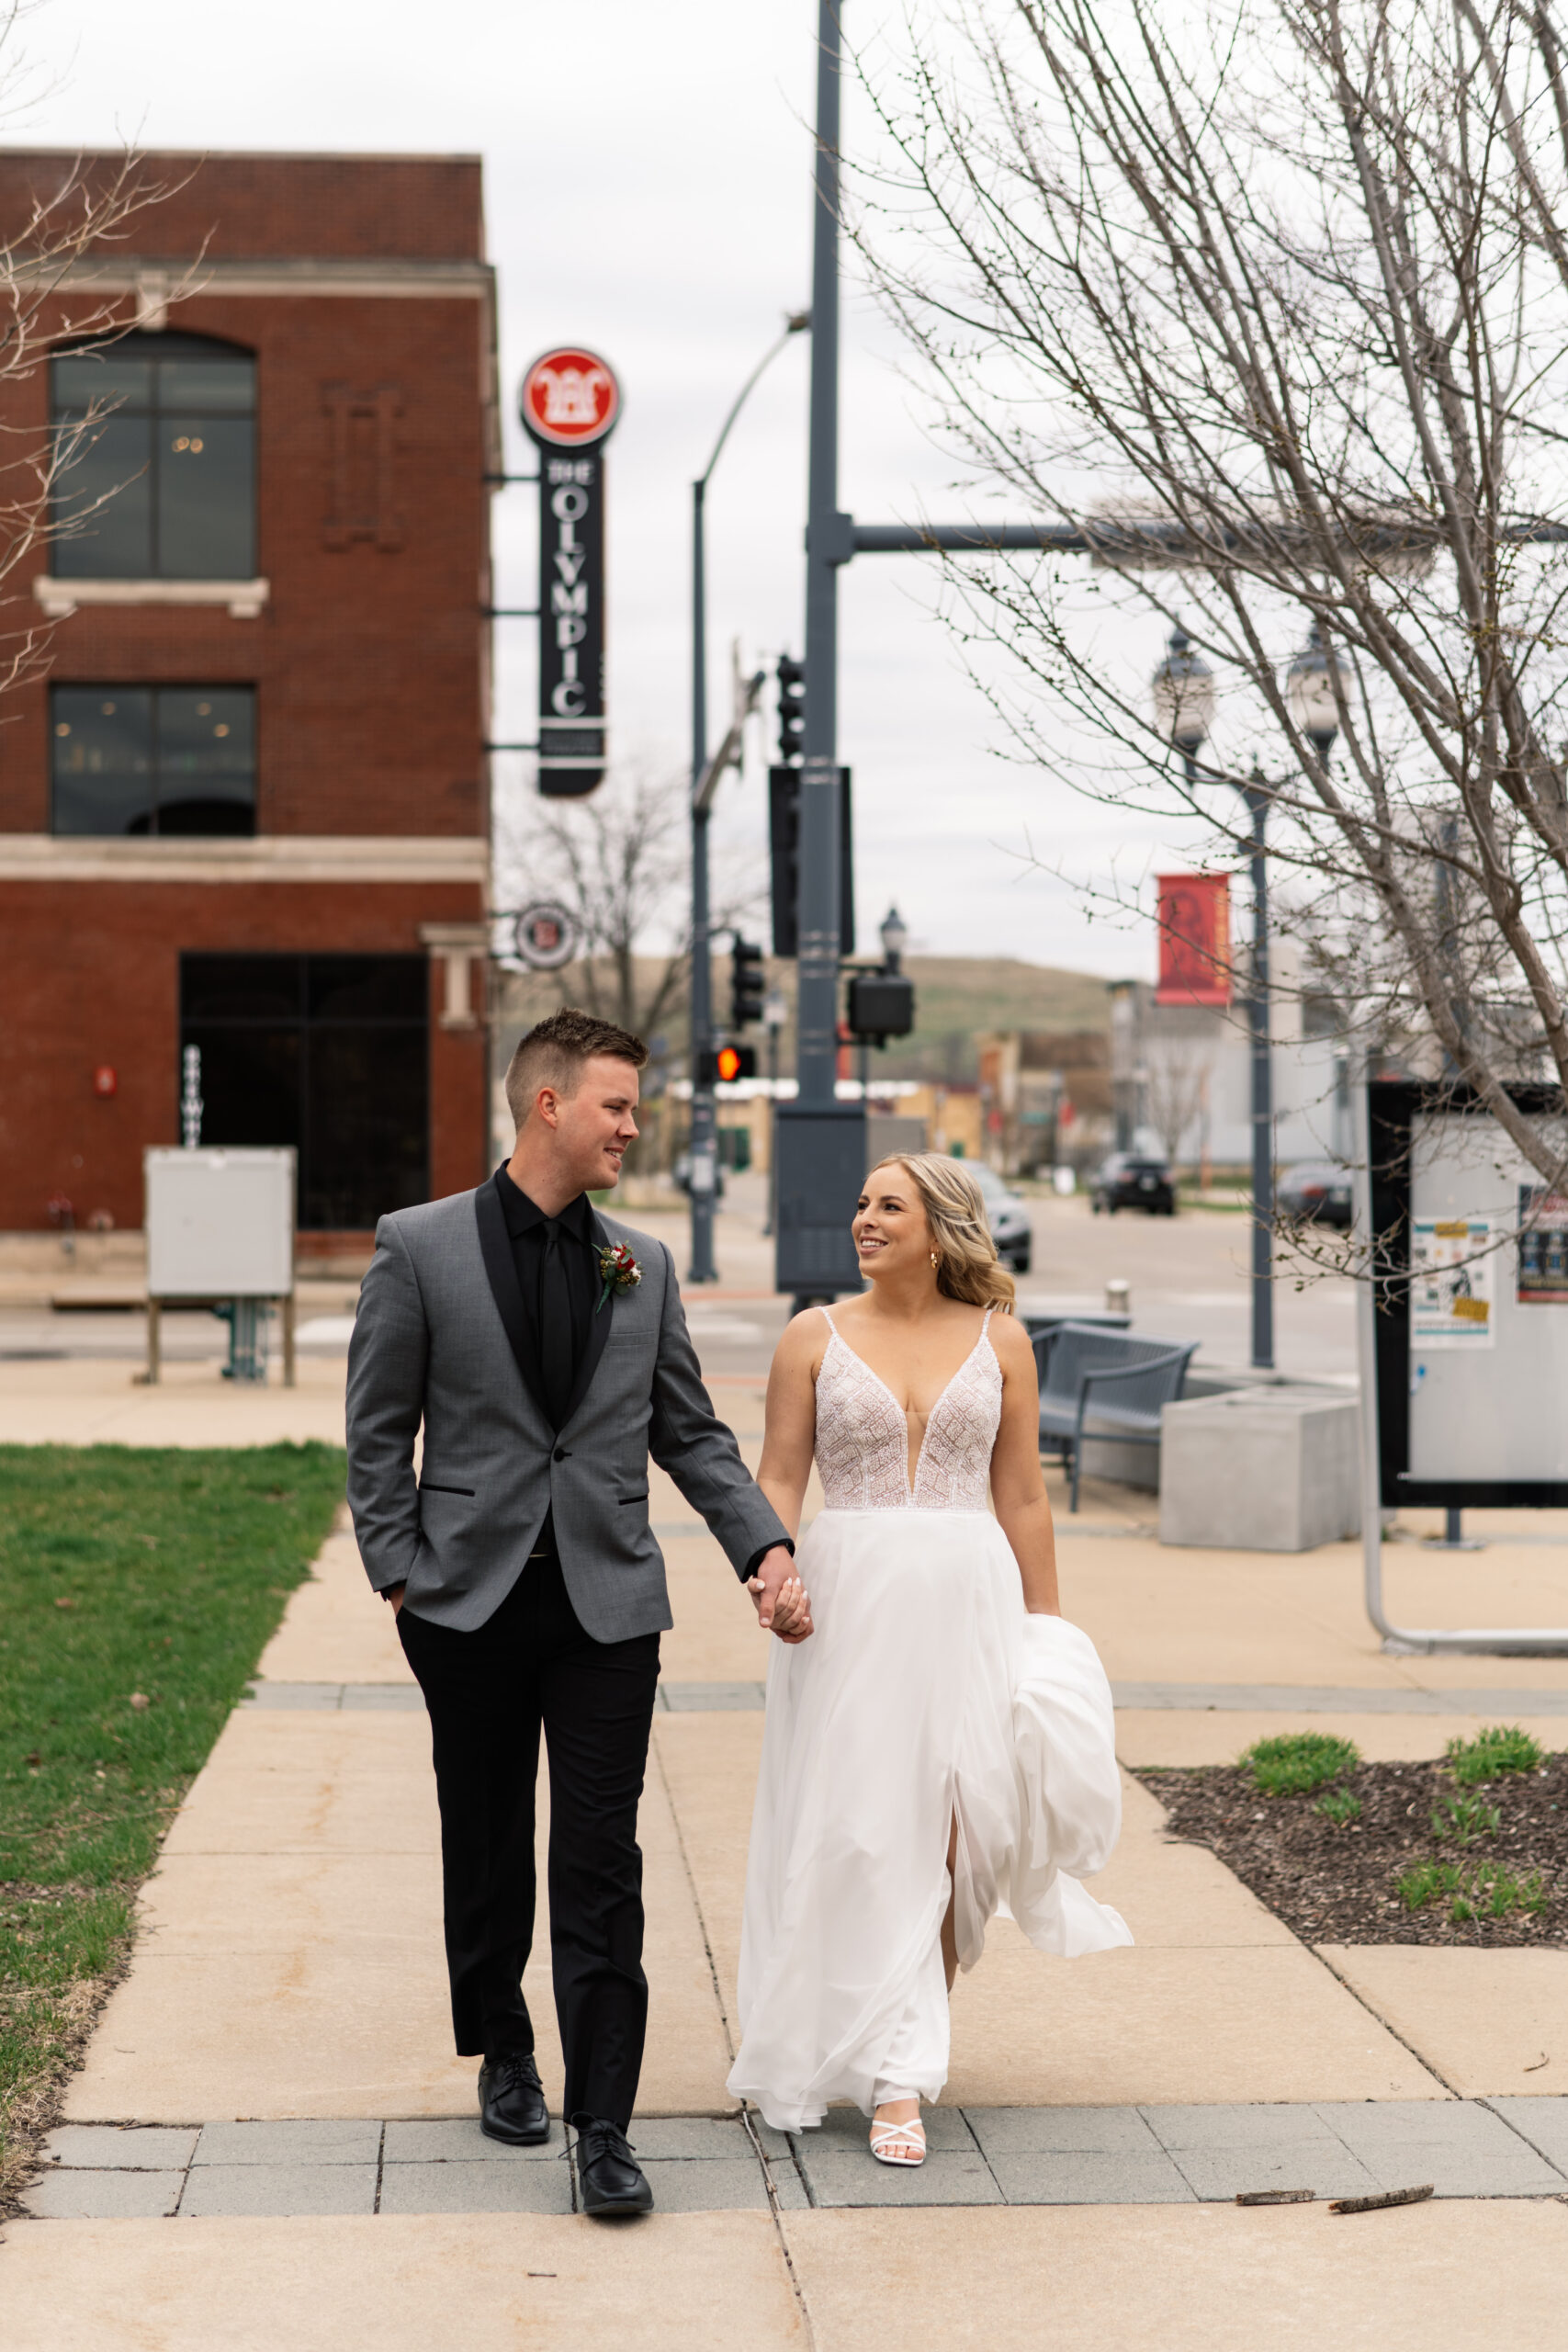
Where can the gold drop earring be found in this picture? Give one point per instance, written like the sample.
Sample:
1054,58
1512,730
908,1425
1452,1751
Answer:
936,1262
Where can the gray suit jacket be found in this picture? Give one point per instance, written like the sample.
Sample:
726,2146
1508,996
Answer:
439,1339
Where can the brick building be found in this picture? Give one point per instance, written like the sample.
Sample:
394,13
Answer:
245,807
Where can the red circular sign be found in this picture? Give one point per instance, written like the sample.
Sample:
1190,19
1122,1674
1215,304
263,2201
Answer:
569,399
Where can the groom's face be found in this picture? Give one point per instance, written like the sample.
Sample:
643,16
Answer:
596,1124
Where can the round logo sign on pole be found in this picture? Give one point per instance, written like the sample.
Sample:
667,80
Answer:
546,936
569,400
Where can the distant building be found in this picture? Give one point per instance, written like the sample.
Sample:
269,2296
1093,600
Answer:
1181,1074
246,811
1044,1098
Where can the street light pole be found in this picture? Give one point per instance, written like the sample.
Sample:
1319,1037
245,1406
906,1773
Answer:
1184,713
1257,796
828,543
704,1156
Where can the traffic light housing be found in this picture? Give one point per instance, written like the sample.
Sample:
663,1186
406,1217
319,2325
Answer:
723,1066
792,709
784,842
882,1005
747,983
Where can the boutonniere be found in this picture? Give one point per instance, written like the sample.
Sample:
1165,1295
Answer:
618,1270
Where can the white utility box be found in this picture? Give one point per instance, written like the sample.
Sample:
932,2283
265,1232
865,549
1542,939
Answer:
220,1224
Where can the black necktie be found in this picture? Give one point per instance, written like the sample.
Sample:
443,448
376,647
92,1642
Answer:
555,1328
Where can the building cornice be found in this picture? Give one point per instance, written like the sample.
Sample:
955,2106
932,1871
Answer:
178,279
269,857
244,599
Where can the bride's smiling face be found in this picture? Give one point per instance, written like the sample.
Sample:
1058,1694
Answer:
892,1235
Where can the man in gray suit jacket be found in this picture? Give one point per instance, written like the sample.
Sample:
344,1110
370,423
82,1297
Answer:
545,1351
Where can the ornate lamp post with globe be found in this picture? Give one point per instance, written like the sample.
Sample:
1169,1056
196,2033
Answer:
1183,691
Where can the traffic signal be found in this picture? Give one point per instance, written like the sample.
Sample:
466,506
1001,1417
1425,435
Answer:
792,709
724,1066
882,1005
783,842
747,983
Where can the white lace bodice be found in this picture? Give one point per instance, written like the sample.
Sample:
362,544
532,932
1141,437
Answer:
863,1437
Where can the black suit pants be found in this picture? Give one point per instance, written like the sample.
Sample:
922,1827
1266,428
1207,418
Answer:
488,1693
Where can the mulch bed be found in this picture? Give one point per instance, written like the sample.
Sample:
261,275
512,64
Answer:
1333,1884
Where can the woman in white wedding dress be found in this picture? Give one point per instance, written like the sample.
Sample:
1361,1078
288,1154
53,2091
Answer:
941,1747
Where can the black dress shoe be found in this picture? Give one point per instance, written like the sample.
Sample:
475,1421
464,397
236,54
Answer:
511,2102
614,2185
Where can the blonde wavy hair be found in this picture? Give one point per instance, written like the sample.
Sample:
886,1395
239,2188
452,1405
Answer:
968,1267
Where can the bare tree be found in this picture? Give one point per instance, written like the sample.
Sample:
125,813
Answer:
621,863
1277,294
47,248
1176,1080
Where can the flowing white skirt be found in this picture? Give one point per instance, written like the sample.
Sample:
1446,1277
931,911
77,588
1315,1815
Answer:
927,1695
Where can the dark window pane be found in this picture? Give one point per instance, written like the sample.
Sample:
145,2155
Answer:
250,1083
353,1096
82,377
241,988
366,1112
204,385
206,759
104,500
205,498
367,987
102,746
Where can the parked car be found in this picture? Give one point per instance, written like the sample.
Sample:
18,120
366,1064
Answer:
1006,1214
1315,1189
1130,1180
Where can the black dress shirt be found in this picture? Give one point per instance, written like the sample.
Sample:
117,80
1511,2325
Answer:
559,1350
558,1345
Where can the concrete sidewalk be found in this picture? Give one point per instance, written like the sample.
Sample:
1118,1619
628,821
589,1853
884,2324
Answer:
278,2146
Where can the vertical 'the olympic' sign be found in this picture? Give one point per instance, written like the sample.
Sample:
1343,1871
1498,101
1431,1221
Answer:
569,403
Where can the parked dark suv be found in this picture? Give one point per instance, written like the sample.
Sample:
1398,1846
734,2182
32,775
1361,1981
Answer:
1129,1179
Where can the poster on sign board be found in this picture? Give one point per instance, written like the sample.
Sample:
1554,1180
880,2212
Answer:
1451,1262
1541,1279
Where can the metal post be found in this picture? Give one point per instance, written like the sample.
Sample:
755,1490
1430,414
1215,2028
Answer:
1257,799
704,1147
827,544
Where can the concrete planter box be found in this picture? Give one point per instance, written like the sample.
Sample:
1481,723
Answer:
1274,1469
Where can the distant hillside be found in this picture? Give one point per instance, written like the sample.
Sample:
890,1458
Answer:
954,995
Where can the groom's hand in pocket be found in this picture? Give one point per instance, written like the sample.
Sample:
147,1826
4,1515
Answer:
782,1606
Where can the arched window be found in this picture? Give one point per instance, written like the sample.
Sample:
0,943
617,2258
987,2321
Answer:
162,484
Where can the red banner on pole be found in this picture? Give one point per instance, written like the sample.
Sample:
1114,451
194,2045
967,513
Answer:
1194,939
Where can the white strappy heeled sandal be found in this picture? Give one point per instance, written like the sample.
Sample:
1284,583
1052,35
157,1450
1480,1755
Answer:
911,2133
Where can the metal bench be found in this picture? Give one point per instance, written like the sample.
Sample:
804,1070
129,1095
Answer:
1100,1384
1045,1327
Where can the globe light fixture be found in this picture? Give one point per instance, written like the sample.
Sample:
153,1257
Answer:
893,934
1183,687
1310,694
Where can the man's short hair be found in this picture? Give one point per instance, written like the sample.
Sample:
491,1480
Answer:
555,1050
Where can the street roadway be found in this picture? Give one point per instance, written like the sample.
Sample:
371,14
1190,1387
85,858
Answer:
1187,1276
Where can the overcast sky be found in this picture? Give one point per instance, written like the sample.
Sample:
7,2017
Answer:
647,193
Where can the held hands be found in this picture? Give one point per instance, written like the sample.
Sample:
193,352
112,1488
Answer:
782,1606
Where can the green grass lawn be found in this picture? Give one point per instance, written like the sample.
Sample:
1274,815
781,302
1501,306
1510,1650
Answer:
137,1589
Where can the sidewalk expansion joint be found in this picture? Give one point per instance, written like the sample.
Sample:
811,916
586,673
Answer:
1496,2148
1193,1698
